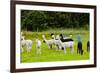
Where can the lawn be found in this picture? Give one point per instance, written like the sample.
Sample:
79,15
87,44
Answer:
49,55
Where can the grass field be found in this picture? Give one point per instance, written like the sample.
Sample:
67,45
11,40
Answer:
49,55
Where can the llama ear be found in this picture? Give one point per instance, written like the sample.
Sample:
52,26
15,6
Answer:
51,34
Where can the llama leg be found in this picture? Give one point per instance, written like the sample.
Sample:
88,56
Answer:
39,50
64,50
56,47
22,49
28,49
72,49
81,52
88,49
49,46
36,50
77,50
59,47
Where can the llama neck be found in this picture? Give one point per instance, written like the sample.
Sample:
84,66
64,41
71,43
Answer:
60,41
45,40
54,38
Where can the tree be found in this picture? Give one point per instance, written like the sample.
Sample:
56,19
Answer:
32,20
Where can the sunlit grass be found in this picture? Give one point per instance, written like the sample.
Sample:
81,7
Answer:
49,55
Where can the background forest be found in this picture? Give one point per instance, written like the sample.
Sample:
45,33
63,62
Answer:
43,20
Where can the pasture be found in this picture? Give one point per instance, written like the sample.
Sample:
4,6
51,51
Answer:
50,55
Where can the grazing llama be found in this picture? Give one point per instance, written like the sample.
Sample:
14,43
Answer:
48,42
56,42
38,46
88,46
79,48
27,43
66,43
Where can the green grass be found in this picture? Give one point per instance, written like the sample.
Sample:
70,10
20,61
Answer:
49,55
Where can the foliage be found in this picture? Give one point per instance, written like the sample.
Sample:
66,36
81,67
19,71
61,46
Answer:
32,20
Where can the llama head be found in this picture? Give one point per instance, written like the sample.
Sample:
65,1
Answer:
43,36
61,36
44,41
57,37
70,36
21,33
36,40
22,38
53,36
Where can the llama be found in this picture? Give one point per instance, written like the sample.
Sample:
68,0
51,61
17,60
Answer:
79,45
65,39
27,43
38,46
88,46
56,42
48,42
65,43
79,48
